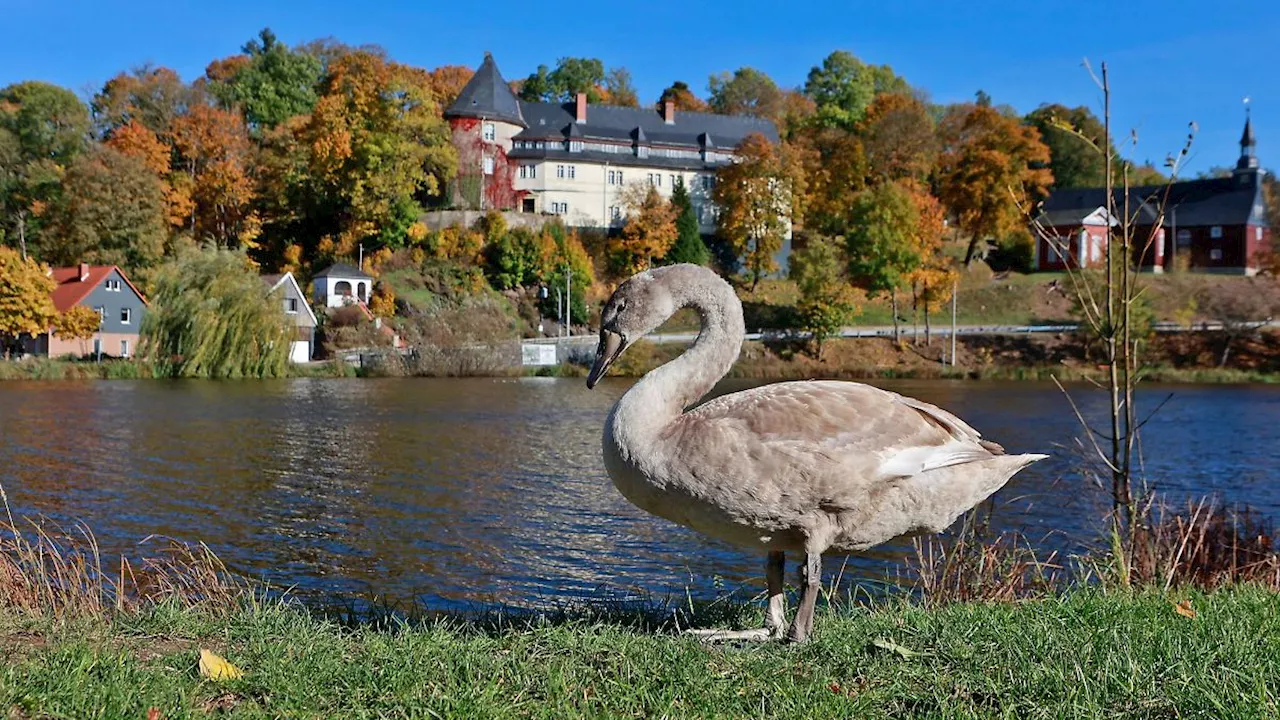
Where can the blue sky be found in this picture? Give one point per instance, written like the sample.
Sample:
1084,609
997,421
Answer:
1171,62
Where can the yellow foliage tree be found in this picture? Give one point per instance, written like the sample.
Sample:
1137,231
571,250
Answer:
26,305
758,194
78,323
649,232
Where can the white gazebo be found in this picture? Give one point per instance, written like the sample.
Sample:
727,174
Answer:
341,284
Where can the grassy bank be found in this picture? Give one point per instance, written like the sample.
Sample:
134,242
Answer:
53,369
1084,654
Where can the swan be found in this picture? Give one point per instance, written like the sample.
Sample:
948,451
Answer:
805,467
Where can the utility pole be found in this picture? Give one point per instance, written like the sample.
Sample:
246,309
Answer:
568,300
955,291
360,265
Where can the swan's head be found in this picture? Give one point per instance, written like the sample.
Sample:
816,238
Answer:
635,309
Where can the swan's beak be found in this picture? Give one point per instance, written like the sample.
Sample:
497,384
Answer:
611,346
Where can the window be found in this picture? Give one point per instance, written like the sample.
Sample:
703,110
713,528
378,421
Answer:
102,313
560,171
1215,254
1257,233
575,146
528,172
573,171
708,182
613,177
488,166
126,316
560,208
291,306
124,348
673,181
1184,237
615,212
113,286
490,132
1215,232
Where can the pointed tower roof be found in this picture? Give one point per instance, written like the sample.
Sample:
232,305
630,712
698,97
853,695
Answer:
488,96
1248,145
1247,138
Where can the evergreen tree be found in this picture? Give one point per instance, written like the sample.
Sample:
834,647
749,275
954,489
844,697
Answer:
689,247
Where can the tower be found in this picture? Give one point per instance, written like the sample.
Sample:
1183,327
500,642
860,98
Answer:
1248,144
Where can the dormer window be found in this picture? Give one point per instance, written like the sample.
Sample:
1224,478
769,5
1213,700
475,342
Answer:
642,151
575,146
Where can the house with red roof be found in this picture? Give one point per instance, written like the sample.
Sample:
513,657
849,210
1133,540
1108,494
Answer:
107,290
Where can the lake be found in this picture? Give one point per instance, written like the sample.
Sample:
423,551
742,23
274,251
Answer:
460,492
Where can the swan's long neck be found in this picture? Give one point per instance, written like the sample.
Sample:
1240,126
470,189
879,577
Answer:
665,392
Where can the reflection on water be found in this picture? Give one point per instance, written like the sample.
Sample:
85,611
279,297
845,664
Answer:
455,492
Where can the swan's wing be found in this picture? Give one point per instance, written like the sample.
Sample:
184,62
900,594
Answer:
820,427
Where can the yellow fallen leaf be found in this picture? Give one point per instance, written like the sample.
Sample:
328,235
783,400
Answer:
215,668
1184,609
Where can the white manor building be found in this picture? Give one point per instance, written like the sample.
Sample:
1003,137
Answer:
574,159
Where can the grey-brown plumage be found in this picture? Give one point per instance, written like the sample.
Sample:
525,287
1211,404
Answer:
810,466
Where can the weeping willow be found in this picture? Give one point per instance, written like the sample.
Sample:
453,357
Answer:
210,317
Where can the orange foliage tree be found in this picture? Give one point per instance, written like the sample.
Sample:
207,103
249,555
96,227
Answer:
899,138
649,232
214,152
991,166
758,195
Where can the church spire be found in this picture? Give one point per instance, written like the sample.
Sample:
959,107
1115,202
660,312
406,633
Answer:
1248,143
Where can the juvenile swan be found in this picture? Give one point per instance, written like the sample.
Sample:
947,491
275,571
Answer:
805,466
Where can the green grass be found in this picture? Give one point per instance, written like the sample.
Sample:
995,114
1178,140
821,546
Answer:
1086,654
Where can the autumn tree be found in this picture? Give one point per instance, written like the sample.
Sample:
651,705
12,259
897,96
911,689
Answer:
682,97
757,196
211,316
827,301
746,91
375,148
112,212
26,305
43,128
271,84
619,90
138,141
992,166
446,82
649,231
1074,160
152,96
213,151
689,246
835,166
899,138
78,323
843,87
883,243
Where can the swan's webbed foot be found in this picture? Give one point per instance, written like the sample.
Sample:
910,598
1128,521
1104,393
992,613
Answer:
713,635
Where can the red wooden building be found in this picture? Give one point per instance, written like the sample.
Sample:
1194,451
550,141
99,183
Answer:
1211,224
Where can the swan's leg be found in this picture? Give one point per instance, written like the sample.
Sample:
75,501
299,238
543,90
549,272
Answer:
811,577
776,619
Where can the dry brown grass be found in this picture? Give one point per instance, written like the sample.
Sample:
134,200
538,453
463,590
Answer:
49,572
968,568
1208,545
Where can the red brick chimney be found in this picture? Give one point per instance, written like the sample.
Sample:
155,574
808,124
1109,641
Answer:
581,114
84,271
669,112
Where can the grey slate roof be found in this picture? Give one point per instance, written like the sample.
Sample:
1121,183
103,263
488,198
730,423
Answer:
486,95
1235,200
555,123
343,270
552,121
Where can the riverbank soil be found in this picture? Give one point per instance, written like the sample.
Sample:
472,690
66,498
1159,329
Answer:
1171,356
1083,655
